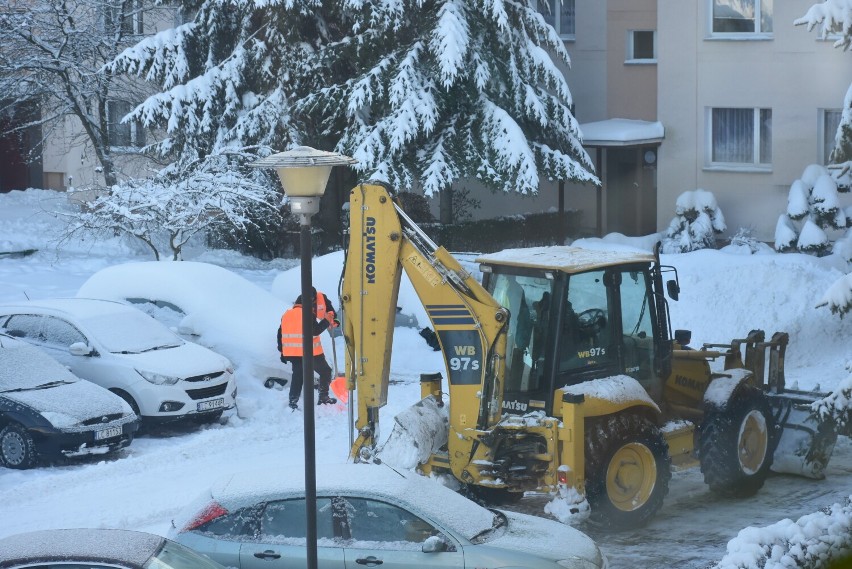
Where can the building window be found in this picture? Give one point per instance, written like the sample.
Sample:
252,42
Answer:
828,125
129,12
560,15
740,137
641,46
129,134
740,17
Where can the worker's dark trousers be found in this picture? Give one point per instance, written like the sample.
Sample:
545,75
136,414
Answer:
321,368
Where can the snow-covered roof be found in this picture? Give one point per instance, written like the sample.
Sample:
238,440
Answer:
106,545
565,259
622,132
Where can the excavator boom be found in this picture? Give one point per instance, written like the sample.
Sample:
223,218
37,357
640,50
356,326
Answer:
469,323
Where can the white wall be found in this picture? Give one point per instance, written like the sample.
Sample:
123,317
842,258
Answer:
794,74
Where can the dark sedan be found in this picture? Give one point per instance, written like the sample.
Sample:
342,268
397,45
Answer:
97,549
48,413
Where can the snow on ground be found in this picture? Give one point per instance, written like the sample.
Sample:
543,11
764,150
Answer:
724,294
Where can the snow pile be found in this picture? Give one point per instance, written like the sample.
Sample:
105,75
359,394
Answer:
814,540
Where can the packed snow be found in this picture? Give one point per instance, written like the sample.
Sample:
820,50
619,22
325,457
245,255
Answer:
724,294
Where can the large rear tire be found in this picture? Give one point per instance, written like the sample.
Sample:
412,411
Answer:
736,444
628,469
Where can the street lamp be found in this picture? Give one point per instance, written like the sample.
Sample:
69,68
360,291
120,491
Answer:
304,172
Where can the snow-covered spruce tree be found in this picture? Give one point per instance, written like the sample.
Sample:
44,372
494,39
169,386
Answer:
697,221
422,94
835,16
51,67
813,207
433,92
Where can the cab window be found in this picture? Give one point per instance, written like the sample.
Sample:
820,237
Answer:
586,334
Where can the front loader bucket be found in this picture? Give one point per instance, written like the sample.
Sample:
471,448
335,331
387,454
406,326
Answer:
805,444
418,432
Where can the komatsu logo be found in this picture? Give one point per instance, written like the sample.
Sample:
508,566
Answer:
689,383
370,247
514,405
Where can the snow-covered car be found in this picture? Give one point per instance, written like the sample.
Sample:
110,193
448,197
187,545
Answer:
160,375
47,413
97,549
370,515
206,303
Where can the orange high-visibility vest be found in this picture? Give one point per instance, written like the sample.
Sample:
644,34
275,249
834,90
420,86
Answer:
291,334
321,307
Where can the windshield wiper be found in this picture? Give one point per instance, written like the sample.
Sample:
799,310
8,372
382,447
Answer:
163,347
42,386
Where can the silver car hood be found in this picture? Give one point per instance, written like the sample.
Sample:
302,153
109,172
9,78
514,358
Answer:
546,538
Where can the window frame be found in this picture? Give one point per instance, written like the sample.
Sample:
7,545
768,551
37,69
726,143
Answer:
557,18
136,134
824,150
630,56
757,34
755,165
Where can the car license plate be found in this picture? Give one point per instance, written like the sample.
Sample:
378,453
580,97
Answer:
108,433
212,404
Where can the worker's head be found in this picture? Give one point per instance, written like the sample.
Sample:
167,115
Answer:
313,298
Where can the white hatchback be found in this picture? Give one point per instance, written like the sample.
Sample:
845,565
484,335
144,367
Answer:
116,346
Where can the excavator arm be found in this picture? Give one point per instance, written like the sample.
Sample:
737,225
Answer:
469,322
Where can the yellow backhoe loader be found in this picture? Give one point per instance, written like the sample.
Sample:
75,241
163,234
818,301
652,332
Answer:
562,373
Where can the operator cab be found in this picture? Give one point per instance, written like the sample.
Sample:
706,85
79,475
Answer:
577,315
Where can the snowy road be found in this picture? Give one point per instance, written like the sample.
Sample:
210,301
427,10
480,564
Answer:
694,526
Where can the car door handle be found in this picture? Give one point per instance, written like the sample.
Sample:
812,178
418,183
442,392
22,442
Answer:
268,554
369,561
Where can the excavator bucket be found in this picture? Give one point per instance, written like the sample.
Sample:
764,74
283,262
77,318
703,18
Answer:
805,443
418,432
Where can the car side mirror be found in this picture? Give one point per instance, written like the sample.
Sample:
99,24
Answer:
435,544
80,349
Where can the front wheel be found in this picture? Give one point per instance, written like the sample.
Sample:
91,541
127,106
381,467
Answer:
736,444
628,469
17,448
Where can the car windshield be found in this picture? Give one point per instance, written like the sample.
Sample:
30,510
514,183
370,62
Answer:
23,367
131,332
175,556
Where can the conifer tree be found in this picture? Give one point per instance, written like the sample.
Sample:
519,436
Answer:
422,94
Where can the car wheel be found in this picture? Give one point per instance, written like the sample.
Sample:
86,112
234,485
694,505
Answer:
17,448
736,444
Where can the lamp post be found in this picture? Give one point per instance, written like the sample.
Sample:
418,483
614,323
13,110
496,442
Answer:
304,172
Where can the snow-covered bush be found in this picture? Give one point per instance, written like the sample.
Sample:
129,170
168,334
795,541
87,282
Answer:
698,220
813,208
165,212
744,242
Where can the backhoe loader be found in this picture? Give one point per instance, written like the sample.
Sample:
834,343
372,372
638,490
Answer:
562,373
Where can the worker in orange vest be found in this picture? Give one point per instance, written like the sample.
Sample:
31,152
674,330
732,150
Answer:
290,346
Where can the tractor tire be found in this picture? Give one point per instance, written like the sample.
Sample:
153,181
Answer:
628,469
17,448
736,444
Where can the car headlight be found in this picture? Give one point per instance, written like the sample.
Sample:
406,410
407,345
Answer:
158,378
